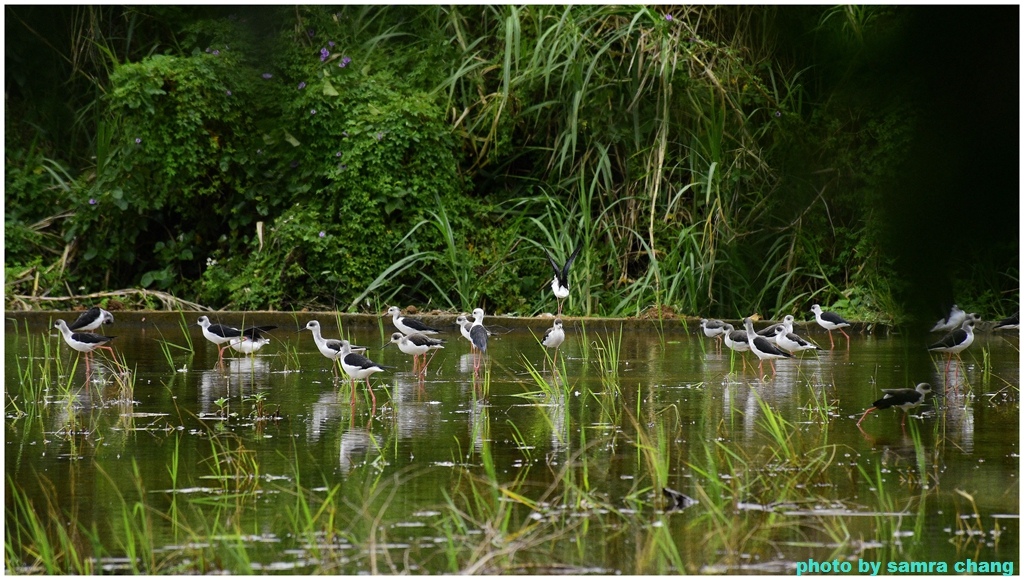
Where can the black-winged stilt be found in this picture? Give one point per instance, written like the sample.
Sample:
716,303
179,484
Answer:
553,338
788,340
905,399
84,342
713,329
358,367
464,325
92,319
221,334
478,336
831,321
956,341
407,325
1008,323
763,348
769,331
951,322
735,339
329,347
250,341
416,344
560,283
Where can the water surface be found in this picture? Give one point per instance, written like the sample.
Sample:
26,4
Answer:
512,470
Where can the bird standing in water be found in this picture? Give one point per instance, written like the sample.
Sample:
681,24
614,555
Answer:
905,399
84,342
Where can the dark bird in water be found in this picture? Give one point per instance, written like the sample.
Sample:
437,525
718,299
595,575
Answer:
905,399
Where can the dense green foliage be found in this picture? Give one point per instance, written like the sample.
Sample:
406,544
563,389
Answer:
715,160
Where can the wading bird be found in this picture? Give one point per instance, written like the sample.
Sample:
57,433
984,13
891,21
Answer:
407,325
84,342
905,399
221,334
416,344
831,321
763,348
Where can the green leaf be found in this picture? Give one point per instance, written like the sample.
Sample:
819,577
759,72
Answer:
289,138
329,89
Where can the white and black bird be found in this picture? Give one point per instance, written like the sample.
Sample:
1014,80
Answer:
905,399
735,339
92,319
713,329
407,325
329,347
554,336
250,341
763,348
560,283
953,321
831,321
464,325
769,331
358,367
788,340
84,342
223,335
956,341
1008,323
417,345
478,336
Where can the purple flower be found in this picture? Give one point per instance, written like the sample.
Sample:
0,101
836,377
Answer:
311,32
343,167
323,234
338,154
330,43
668,17
778,114
324,53
207,49
216,53
312,111
302,85
344,61
92,201
138,140
229,92
267,75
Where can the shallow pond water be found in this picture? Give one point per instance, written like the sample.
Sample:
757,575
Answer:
173,463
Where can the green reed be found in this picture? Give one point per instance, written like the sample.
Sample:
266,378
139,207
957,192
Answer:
607,350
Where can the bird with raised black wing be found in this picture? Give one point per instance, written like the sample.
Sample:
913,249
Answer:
560,283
